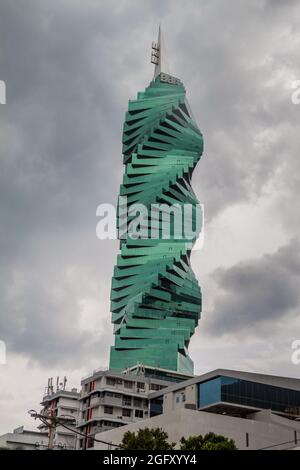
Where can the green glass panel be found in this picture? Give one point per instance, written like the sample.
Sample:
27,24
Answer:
155,297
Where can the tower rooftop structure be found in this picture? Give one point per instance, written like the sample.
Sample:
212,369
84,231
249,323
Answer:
159,55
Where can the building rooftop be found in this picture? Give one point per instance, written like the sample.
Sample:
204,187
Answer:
61,393
139,372
274,380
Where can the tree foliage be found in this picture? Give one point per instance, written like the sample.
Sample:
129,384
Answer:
146,439
157,439
210,441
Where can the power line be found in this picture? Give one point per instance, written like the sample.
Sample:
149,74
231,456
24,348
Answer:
276,445
57,420
90,437
51,423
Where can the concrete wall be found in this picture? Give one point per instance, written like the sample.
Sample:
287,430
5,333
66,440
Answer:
184,422
179,399
24,441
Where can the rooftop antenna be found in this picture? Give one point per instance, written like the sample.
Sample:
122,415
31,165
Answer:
158,56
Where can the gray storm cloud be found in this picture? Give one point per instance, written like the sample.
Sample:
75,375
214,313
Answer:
70,68
255,296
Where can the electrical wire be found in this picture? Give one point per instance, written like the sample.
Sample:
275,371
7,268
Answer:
89,437
276,445
56,420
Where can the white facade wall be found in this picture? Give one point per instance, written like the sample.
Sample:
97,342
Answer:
24,440
64,404
179,399
184,423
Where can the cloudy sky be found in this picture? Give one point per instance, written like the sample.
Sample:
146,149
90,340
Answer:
70,68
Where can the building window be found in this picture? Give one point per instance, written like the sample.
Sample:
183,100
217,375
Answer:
156,406
154,386
177,399
247,393
140,385
108,410
126,412
128,384
126,401
90,443
110,424
183,397
138,402
138,413
110,381
91,385
113,395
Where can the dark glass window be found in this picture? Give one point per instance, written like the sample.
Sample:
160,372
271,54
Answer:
154,386
111,381
90,443
210,392
126,400
138,402
128,384
156,406
247,393
108,410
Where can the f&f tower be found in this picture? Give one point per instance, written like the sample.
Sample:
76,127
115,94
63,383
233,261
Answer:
155,296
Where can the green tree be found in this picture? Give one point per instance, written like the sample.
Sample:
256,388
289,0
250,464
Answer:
210,441
192,443
146,439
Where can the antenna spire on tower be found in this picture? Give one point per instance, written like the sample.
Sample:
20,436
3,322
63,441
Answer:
158,55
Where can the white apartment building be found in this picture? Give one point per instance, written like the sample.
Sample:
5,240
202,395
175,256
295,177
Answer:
111,399
62,404
257,411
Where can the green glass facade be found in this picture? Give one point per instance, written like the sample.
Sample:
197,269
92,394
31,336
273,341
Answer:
155,297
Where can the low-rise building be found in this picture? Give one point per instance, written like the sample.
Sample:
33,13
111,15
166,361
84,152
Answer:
111,399
23,439
255,410
64,405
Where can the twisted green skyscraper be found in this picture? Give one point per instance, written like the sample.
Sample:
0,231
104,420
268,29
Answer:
155,297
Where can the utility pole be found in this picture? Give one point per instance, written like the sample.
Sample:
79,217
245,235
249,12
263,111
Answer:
51,422
51,432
